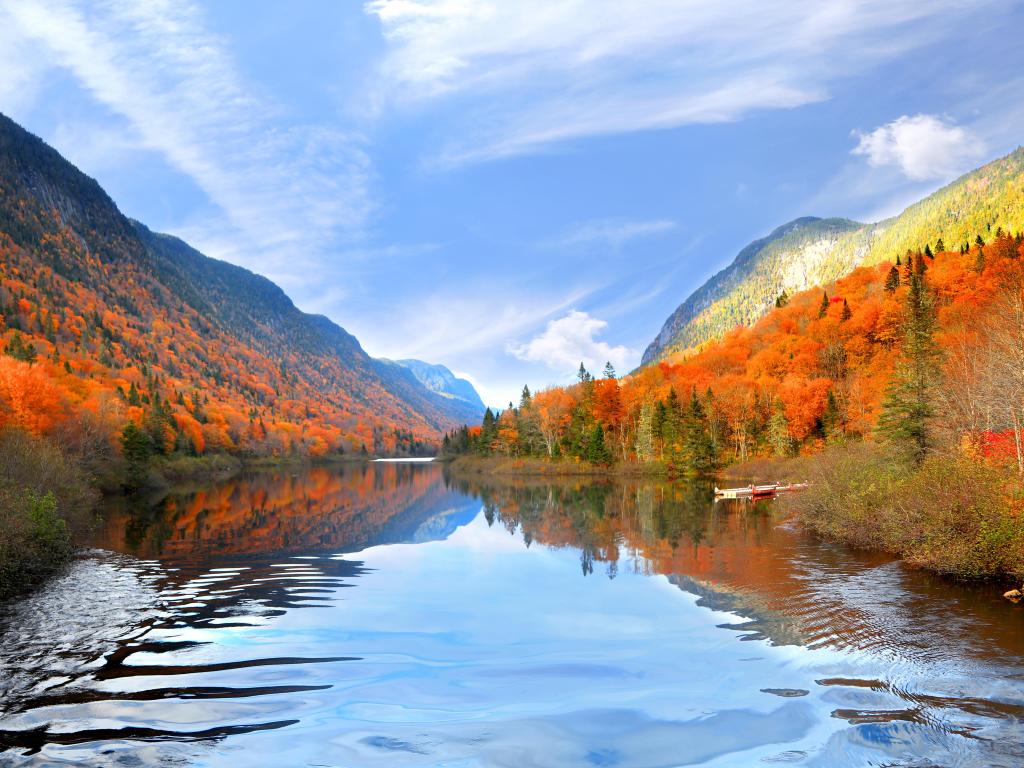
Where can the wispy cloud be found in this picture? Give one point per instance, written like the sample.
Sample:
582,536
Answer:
608,233
570,340
923,147
285,188
544,71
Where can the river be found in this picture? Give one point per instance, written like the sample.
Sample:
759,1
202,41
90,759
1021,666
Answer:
394,615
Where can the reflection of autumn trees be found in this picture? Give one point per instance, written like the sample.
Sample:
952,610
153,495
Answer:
314,511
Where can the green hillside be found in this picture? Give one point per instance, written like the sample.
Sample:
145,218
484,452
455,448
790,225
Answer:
812,251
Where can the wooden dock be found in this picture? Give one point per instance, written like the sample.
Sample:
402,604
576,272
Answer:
757,491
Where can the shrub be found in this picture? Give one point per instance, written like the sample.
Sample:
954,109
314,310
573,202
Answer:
46,501
951,514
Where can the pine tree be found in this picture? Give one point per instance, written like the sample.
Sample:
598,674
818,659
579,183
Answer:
940,247
699,450
979,261
823,307
609,370
583,375
908,406
892,280
782,300
488,433
597,451
847,314
136,446
831,419
525,399
928,251
19,349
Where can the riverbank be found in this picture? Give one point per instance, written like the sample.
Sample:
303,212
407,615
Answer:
952,514
540,467
48,497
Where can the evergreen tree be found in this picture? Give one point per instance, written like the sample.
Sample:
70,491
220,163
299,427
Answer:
19,349
671,430
892,280
847,314
136,446
699,450
831,419
609,370
940,247
908,406
583,375
597,451
823,307
488,433
782,300
979,261
525,399
928,251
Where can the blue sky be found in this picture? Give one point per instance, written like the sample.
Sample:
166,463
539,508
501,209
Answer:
509,187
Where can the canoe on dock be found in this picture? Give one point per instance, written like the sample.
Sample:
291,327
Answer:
757,491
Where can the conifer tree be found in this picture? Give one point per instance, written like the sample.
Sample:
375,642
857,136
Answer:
697,446
831,419
909,402
847,314
892,280
597,451
823,307
609,370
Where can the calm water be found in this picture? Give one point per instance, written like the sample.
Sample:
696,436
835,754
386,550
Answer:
389,616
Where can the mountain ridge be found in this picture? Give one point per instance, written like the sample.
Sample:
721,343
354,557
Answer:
113,307
977,203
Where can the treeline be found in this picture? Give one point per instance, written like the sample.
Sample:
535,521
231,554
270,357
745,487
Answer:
868,357
585,422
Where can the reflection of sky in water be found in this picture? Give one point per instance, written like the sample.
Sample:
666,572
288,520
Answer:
468,648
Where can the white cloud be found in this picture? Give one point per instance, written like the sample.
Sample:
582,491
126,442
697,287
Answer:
285,189
612,233
923,147
543,71
569,340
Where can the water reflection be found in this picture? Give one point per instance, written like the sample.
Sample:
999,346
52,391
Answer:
393,615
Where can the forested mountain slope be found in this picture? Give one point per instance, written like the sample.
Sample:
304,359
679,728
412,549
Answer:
812,251
102,318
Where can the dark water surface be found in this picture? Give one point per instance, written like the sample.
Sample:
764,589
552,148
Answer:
387,615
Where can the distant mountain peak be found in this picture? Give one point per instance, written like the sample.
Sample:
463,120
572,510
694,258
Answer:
438,378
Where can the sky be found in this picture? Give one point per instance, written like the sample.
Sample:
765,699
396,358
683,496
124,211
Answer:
509,187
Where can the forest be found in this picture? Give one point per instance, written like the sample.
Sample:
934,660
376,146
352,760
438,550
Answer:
904,377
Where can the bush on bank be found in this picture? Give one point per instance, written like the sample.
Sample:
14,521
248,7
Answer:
46,500
951,513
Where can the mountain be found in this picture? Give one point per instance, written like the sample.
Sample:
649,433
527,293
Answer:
439,379
811,251
118,318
